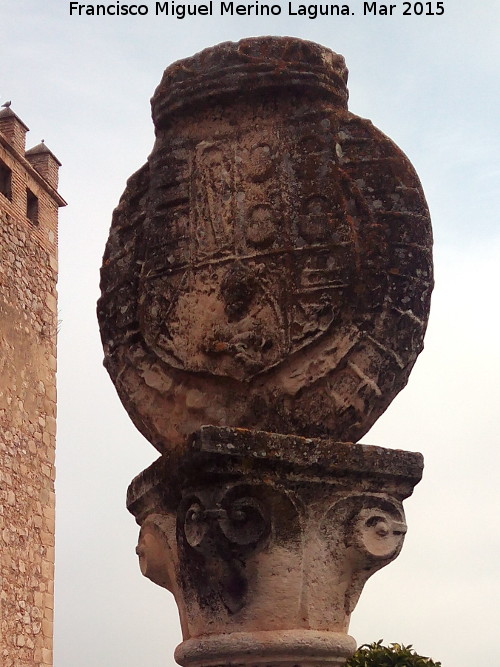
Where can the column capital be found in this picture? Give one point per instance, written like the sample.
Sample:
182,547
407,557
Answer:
266,540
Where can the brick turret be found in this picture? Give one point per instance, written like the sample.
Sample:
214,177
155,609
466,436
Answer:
13,129
45,162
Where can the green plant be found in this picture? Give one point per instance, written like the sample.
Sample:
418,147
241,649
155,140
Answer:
394,655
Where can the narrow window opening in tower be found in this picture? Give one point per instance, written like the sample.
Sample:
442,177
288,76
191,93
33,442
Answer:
5,180
31,207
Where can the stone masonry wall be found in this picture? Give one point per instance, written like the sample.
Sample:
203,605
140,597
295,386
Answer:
28,329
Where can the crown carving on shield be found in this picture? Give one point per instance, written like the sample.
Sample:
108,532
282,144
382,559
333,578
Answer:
251,66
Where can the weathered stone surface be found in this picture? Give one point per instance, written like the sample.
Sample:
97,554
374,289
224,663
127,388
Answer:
266,541
270,266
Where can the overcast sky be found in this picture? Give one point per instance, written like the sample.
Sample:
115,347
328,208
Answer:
432,84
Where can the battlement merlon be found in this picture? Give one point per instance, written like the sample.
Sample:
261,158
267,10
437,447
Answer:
38,161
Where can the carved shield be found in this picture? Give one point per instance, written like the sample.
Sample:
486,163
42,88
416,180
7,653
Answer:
250,249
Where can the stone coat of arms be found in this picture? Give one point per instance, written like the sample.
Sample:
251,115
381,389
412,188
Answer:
270,266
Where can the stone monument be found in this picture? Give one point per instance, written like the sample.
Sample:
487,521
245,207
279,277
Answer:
265,293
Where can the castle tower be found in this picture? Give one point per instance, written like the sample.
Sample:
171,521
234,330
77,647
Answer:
29,204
